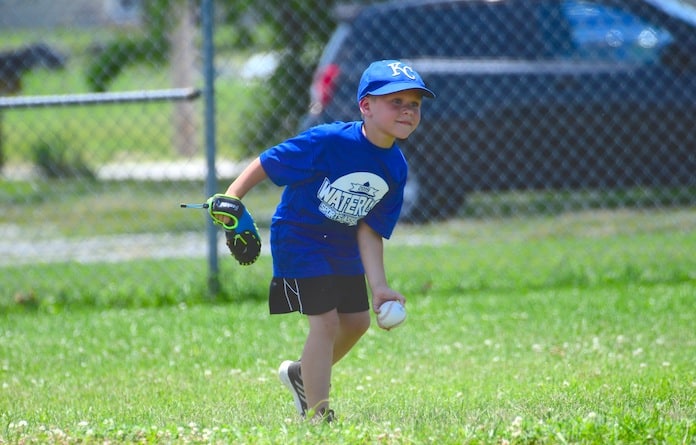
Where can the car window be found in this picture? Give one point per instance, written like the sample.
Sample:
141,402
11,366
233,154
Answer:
580,30
508,30
607,33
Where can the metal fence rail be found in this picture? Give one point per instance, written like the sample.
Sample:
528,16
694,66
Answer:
64,100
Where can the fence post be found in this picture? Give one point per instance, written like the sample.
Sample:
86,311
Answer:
207,20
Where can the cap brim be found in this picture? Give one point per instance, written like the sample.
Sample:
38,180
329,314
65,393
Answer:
395,87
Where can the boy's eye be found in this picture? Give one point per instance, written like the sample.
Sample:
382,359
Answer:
401,103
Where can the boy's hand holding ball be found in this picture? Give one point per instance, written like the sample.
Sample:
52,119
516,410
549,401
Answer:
388,304
391,314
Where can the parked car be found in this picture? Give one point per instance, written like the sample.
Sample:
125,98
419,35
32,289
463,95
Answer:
532,94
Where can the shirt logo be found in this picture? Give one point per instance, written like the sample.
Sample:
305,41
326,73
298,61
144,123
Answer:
351,197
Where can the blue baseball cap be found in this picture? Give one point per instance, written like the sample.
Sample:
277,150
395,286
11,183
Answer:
389,76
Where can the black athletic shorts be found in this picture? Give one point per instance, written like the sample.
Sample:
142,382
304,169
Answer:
318,295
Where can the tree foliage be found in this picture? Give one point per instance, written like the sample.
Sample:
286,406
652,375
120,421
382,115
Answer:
298,30
152,46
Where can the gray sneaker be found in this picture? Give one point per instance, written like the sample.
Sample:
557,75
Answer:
290,373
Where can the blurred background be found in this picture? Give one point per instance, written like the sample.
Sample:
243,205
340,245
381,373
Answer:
544,108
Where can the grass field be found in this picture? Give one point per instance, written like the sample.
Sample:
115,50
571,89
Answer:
563,329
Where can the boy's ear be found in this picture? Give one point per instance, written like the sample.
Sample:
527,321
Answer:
364,105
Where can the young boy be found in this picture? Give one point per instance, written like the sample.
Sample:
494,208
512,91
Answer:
344,185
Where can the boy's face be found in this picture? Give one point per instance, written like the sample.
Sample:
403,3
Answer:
394,115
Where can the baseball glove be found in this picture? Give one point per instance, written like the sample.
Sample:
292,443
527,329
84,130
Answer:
241,232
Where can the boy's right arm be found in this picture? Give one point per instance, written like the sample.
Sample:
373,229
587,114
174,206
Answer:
240,229
250,176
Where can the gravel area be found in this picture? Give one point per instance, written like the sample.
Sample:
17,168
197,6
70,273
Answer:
19,246
16,249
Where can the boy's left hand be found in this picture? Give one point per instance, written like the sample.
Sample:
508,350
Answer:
382,294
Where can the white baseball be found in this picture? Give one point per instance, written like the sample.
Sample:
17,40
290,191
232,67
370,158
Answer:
391,314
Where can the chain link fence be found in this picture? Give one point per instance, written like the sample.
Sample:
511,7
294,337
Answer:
543,107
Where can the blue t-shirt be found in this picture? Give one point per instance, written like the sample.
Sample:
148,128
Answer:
333,177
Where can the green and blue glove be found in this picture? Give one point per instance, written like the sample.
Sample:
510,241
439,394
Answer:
241,232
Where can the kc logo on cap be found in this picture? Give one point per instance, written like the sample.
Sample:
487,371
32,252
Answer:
390,76
398,67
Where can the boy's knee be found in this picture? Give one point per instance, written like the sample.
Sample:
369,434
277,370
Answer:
358,324
325,324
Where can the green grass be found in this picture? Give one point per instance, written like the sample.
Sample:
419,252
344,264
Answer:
596,366
575,328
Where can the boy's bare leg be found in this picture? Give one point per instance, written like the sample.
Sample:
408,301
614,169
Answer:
317,358
351,327
331,336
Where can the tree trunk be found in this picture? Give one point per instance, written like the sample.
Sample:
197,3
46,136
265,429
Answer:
183,59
